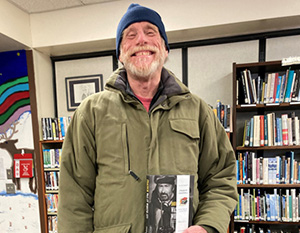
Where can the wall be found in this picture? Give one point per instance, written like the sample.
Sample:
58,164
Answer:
15,23
93,26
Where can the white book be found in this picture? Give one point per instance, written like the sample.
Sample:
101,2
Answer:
278,162
243,204
294,207
256,131
247,86
284,125
253,181
290,132
287,208
269,88
270,119
276,205
265,171
297,133
272,88
297,210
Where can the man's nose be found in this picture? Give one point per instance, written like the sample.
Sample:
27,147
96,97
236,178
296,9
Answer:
142,39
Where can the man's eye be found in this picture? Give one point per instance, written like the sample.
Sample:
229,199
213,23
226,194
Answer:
151,33
131,35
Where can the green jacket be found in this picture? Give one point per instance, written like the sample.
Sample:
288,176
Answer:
112,134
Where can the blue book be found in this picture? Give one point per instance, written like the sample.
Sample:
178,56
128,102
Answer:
266,129
283,216
287,97
272,207
237,171
62,126
280,132
248,129
246,167
278,90
251,131
282,88
286,181
268,207
243,170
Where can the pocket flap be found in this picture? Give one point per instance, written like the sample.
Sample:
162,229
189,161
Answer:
186,126
114,229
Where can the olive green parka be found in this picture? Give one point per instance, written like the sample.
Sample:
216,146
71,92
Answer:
112,143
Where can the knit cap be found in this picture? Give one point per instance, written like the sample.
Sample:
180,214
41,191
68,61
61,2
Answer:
137,13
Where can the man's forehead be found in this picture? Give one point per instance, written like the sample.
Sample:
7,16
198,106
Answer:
143,24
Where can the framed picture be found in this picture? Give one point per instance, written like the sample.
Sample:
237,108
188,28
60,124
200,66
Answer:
78,88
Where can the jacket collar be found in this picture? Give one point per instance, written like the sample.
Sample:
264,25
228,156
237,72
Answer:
169,86
169,83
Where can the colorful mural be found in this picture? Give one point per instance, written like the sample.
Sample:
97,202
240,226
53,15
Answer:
19,210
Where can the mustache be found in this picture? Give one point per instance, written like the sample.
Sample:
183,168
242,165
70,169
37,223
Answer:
142,48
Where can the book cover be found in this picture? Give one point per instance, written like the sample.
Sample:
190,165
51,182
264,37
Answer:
169,203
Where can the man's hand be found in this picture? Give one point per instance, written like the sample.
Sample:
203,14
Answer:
195,229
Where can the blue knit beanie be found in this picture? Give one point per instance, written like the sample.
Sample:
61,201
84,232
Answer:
137,13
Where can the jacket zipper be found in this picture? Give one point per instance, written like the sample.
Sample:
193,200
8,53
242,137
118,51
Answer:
135,176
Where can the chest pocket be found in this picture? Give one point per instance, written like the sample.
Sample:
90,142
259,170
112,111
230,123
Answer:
185,126
179,148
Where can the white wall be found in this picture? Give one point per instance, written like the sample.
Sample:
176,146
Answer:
192,19
14,23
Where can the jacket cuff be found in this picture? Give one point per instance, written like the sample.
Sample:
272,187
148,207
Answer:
209,229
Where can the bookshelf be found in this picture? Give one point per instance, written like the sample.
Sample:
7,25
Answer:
50,173
53,134
261,186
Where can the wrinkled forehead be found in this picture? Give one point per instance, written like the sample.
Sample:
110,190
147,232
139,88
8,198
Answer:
140,25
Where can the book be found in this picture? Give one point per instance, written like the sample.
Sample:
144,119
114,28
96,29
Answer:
284,125
169,203
287,97
296,87
256,130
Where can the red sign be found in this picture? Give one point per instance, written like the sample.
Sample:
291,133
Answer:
23,164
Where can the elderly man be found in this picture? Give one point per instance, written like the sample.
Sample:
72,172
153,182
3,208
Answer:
145,122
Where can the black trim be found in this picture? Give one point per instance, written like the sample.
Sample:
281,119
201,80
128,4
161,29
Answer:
54,88
262,50
238,38
184,53
115,62
84,55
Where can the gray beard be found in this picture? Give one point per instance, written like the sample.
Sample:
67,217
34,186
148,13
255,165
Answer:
142,72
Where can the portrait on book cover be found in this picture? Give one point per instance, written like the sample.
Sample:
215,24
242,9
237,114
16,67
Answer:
162,208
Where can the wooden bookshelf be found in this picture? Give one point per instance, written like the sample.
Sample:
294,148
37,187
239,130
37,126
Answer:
242,111
47,144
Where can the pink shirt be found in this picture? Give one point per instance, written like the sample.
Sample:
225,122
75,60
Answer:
145,101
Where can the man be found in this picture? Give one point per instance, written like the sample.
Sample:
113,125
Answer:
145,122
163,205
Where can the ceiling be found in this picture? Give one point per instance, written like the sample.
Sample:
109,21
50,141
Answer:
39,6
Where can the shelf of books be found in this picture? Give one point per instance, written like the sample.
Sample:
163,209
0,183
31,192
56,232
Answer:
53,130
266,140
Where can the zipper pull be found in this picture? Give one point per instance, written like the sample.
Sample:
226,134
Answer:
134,175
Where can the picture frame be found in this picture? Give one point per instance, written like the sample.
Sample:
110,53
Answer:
79,87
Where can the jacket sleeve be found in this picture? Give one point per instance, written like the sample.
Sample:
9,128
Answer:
77,178
217,175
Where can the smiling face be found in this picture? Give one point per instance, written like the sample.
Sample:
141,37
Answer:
143,51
